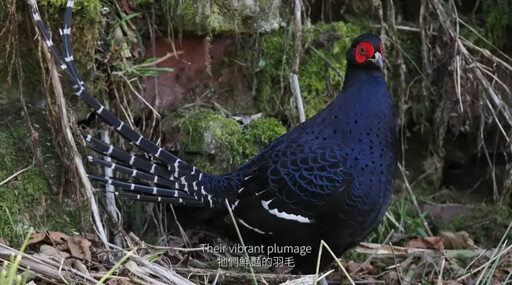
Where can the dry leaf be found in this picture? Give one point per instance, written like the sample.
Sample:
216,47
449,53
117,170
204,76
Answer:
460,240
52,253
428,242
57,237
36,237
48,237
90,237
78,265
362,268
79,247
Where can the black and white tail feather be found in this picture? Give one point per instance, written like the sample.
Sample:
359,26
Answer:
262,205
171,181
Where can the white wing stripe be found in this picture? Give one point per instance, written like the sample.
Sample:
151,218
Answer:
284,215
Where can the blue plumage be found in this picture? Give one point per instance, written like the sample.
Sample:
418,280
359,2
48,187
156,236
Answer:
330,178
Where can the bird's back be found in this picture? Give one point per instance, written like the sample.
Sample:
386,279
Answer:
329,178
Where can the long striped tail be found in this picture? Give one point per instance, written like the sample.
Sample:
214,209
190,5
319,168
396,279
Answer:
168,178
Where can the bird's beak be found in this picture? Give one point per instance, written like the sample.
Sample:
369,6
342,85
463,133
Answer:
378,60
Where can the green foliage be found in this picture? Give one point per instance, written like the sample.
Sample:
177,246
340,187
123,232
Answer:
319,83
22,197
88,8
498,23
222,141
402,210
24,189
263,131
485,224
137,3
86,17
9,271
4,9
205,16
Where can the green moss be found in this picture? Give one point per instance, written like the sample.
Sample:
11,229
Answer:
3,10
319,83
485,224
211,133
419,110
136,3
188,10
206,17
201,127
498,23
87,8
86,17
222,142
225,16
26,200
261,132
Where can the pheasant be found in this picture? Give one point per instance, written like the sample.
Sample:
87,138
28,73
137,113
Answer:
329,178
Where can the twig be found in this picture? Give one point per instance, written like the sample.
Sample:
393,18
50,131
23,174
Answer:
329,62
66,127
155,112
378,6
110,198
164,273
234,276
440,279
406,28
367,261
484,39
485,264
161,59
297,50
393,221
116,266
397,267
48,268
414,201
241,240
294,83
385,251
16,174
322,245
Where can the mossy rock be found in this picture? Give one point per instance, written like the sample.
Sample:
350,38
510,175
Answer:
222,142
223,16
319,83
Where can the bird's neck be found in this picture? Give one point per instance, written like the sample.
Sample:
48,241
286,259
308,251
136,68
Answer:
364,89
355,75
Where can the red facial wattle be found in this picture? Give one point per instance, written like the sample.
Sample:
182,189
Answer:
364,50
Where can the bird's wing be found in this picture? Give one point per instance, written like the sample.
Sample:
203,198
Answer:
297,184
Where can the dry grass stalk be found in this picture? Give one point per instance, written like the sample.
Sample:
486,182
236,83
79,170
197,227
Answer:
65,125
297,52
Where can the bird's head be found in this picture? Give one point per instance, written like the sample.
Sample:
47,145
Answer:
366,51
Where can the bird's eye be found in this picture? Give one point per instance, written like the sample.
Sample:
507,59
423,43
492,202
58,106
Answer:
363,51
